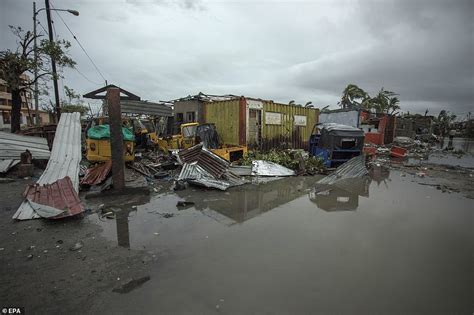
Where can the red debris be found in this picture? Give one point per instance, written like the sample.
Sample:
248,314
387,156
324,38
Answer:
398,152
60,195
97,174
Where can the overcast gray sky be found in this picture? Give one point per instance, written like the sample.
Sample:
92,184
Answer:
280,50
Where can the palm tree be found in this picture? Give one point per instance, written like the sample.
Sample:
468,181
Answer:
393,105
385,100
350,95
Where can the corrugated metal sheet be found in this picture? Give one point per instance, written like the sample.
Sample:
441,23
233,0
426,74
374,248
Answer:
212,163
266,168
190,155
197,175
225,115
287,134
12,145
6,165
64,160
96,175
353,168
60,195
145,108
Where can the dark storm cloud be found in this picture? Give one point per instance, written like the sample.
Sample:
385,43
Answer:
303,51
421,49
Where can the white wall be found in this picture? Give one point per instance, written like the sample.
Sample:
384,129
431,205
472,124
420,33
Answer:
350,118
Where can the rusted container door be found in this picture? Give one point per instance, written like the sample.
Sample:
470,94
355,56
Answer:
254,127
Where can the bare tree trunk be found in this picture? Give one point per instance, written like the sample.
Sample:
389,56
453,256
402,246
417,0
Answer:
16,111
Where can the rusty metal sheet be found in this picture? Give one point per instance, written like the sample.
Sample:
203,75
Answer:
190,155
64,160
97,174
59,196
213,163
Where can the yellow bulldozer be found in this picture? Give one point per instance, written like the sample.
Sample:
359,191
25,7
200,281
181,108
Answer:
194,133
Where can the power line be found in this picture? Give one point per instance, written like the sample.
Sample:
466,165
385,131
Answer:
80,45
42,26
85,77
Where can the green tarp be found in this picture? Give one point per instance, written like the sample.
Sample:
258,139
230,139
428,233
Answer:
103,132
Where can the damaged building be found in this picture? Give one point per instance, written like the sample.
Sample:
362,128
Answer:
254,122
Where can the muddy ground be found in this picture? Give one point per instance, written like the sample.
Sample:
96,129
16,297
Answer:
398,242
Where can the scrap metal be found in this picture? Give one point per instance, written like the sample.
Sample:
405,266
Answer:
54,201
6,165
12,145
97,174
64,161
353,168
190,155
195,174
266,168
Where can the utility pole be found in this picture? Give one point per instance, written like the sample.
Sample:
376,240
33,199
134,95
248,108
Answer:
37,121
116,138
53,62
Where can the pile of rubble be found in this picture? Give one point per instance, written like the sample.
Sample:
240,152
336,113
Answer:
203,168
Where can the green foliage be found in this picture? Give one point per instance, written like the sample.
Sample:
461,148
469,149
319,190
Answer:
355,97
352,96
23,60
290,159
74,108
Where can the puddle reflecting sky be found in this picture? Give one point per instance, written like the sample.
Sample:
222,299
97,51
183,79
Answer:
286,246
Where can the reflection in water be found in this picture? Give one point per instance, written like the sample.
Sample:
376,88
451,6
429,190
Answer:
124,206
344,194
245,202
123,235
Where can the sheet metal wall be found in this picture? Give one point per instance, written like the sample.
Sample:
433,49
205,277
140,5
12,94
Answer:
287,135
225,115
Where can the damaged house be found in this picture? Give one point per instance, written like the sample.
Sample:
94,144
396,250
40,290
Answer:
242,120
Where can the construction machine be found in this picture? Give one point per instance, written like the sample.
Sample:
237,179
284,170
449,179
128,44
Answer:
194,133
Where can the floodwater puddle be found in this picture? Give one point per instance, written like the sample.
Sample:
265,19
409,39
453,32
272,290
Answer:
286,246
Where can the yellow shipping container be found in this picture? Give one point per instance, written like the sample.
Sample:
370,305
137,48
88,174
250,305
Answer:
261,123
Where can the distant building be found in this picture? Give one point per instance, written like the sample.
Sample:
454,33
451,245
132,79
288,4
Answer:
27,108
413,125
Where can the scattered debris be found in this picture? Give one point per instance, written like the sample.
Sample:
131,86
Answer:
184,204
97,174
6,165
54,201
204,168
353,168
77,246
266,168
130,285
398,152
64,162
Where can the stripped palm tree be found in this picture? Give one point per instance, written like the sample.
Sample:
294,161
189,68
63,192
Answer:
350,96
